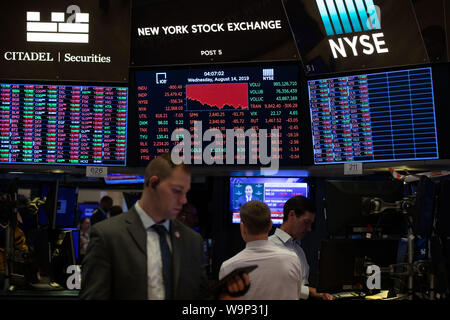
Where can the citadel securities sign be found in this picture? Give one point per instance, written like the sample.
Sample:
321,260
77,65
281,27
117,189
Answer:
210,31
65,40
347,35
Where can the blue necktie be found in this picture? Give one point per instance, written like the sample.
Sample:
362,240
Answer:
166,257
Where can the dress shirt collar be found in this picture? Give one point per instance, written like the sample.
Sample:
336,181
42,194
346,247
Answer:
147,221
257,243
283,235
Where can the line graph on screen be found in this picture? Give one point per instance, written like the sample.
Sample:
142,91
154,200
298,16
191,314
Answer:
223,96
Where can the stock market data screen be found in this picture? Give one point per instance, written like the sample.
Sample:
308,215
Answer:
63,125
229,100
385,116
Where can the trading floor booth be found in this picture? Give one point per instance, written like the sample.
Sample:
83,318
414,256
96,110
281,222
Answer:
341,101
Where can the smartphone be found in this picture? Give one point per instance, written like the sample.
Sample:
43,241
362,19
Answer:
219,286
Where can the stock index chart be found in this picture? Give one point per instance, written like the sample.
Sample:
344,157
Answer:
225,98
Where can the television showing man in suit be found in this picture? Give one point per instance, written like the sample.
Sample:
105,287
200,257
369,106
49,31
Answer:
247,196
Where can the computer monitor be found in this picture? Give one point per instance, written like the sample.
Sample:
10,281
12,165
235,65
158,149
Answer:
66,214
345,214
342,263
272,191
60,208
373,117
213,103
55,124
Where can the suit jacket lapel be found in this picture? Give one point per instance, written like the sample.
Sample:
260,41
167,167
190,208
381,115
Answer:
176,239
136,230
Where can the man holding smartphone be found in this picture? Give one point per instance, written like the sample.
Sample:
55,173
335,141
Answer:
278,275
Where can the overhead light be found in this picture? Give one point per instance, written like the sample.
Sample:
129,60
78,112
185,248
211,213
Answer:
57,171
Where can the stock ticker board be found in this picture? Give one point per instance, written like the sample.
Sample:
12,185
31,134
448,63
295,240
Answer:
234,98
63,125
385,116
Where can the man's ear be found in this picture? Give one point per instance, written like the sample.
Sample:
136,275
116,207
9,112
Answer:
291,213
153,182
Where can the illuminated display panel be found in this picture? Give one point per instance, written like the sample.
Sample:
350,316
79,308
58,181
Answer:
272,191
222,98
374,117
63,124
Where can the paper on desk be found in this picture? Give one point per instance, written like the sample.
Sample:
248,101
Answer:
382,295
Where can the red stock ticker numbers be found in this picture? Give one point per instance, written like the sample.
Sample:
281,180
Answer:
231,98
63,125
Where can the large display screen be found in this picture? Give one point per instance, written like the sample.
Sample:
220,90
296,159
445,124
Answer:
63,124
374,117
70,40
221,98
220,31
346,35
272,191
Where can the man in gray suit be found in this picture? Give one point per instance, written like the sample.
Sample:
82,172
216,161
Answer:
146,253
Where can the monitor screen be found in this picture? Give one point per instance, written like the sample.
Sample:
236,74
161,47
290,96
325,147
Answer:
63,124
118,178
66,207
272,191
86,209
386,116
227,99
65,40
346,35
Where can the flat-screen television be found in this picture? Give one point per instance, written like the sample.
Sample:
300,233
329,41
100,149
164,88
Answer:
119,178
384,116
60,209
346,35
224,98
272,191
63,124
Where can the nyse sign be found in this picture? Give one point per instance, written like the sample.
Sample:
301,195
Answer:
339,18
364,44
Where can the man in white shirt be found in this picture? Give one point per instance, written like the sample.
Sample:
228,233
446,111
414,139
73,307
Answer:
299,215
278,275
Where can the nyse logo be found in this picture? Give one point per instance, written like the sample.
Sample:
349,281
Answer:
341,17
73,30
268,74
